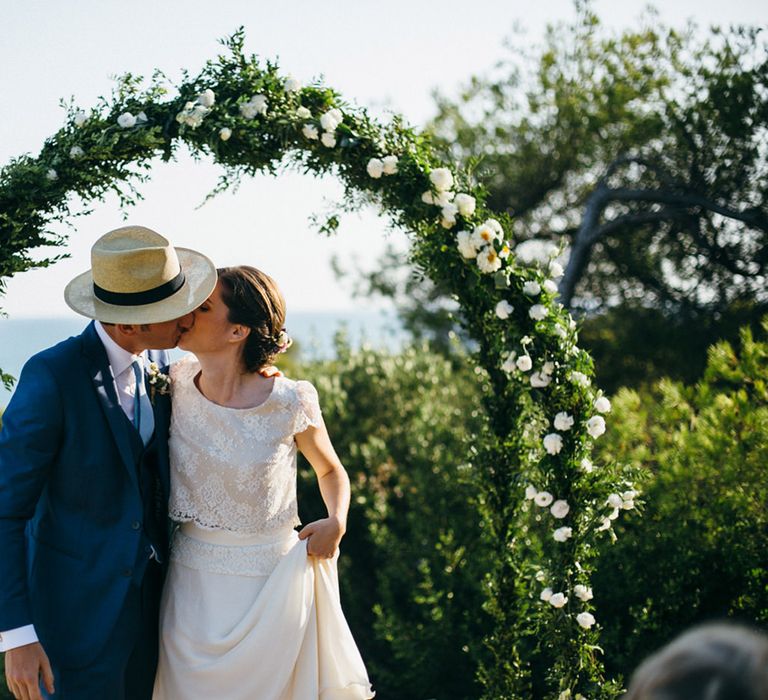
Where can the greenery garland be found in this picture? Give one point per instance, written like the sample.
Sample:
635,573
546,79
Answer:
546,508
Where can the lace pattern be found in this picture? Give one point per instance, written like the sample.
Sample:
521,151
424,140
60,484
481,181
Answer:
237,560
235,469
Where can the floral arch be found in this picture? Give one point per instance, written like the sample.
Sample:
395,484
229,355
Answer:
546,508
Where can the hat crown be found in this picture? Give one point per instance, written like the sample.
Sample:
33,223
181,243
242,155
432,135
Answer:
133,259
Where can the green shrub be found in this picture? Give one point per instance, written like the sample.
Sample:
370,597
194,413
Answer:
412,560
700,551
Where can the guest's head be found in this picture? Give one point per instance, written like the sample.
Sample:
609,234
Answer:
244,315
712,662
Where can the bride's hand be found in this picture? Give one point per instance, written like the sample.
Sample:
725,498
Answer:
323,537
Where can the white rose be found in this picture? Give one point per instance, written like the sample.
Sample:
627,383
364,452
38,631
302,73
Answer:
427,197
375,168
548,367
390,165
629,495
560,509
539,380
540,576
585,619
466,204
538,312
546,595
76,152
628,504
549,286
489,261
602,405
443,197
225,133
329,139
484,235
582,592
531,288
524,363
525,340
292,85
331,119
509,365
310,132
563,421
80,118
126,120
51,175
464,243
596,426
586,465
558,600
303,113
556,269
207,98
560,332
448,217
441,178
605,525
553,443
141,118
543,499
530,492
579,378
562,534
503,309
615,500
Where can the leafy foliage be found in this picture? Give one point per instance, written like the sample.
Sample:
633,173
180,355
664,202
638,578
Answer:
413,558
642,152
701,551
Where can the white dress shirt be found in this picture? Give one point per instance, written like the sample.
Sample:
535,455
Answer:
120,361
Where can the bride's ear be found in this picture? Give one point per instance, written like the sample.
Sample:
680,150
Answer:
240,333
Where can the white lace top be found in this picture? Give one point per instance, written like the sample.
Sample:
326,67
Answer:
234,469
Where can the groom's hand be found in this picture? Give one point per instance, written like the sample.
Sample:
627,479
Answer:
24,666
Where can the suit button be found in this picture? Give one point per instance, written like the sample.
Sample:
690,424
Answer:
127,573
136,525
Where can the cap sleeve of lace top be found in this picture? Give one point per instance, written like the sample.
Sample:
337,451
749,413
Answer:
309,413
184,369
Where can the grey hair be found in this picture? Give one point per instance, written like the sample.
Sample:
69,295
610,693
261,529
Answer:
718,661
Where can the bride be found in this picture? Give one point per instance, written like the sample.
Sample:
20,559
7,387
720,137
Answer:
251,607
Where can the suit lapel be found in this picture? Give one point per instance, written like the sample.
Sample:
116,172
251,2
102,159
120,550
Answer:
104,384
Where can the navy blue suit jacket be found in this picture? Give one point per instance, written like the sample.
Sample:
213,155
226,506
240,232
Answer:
71,509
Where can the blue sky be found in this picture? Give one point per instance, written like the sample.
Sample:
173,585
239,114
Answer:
386,55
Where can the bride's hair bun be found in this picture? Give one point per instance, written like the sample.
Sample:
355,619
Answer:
254,300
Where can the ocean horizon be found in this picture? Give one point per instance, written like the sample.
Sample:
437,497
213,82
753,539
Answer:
312,331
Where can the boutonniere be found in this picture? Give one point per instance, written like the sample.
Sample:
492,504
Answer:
159,383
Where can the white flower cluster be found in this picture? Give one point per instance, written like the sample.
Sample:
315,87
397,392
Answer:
480,244
558,600
449,202
194,112
127,120
382,166
559,509
329,121
256,105
618,502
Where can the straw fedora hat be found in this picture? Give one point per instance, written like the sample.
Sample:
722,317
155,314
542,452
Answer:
137,276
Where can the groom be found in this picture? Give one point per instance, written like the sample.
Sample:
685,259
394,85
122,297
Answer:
84,478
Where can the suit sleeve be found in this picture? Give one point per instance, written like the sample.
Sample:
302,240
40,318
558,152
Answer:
29,441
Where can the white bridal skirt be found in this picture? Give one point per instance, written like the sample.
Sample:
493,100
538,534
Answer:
254,618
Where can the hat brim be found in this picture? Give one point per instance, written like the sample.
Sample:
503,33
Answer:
199,280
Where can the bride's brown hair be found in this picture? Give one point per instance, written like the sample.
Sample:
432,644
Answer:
254,300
